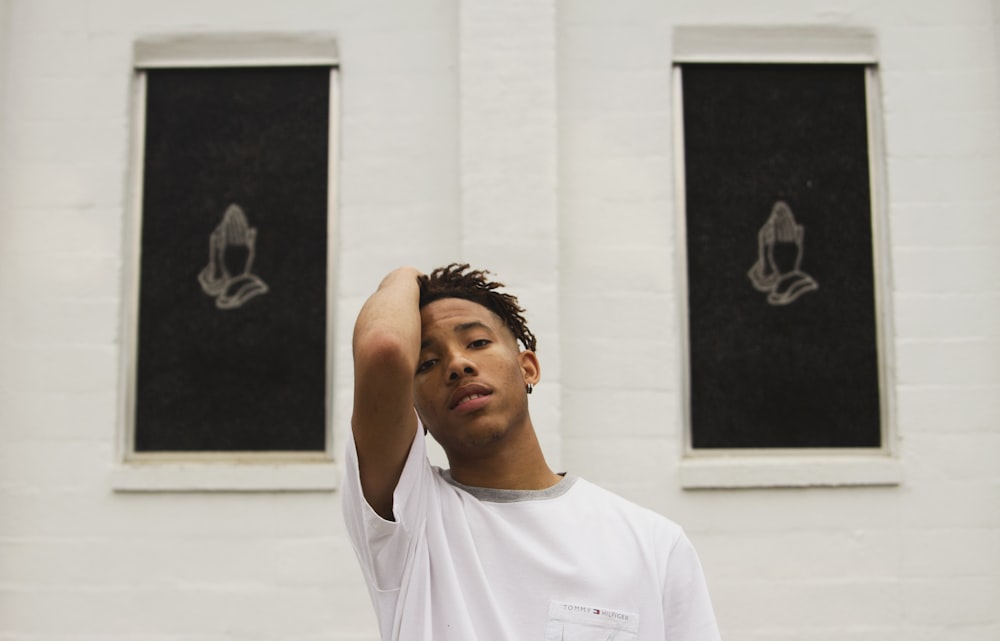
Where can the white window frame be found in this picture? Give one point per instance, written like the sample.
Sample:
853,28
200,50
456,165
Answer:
791,467
219,471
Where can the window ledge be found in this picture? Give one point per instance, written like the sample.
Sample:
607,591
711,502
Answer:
748,471
225,477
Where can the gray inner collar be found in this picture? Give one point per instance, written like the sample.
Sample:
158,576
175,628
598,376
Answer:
513,496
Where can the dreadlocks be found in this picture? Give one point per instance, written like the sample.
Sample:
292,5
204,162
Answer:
457,281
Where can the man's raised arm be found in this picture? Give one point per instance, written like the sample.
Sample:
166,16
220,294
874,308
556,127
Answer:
386,348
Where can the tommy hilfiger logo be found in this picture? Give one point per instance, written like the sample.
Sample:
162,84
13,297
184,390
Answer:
611,614
571,620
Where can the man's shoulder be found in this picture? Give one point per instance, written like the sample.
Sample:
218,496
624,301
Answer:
609,501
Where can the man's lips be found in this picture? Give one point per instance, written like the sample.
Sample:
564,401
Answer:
467,394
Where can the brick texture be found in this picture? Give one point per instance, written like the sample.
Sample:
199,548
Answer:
535,139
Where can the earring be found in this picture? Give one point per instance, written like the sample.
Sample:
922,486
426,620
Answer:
529,387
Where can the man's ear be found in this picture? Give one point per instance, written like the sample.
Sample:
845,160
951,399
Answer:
530,368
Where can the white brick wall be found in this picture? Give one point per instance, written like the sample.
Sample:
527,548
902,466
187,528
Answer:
507,164
534,138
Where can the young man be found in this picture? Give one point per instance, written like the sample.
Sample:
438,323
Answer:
498,547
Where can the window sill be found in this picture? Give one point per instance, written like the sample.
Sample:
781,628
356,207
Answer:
225,477
748,470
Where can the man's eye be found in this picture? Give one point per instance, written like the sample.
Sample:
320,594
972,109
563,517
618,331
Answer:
426,365
482,342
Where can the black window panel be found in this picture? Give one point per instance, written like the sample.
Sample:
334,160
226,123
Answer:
233,358
782,326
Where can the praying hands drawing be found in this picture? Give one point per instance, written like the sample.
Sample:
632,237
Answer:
779,258
231,248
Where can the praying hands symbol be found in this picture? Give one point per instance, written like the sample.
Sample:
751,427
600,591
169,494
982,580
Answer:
779,258
231,248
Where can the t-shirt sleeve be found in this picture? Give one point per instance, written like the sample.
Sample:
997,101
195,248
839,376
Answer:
382,546
687,608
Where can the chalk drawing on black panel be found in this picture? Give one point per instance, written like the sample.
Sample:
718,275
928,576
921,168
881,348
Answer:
780,249
231,248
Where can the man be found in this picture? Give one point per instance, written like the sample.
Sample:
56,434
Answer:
498,547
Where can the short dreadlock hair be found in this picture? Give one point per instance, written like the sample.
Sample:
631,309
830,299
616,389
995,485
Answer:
458,281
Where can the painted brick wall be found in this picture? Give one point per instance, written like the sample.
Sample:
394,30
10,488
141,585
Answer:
536,139
901,562
78,560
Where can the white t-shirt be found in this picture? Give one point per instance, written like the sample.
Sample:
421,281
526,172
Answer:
570,563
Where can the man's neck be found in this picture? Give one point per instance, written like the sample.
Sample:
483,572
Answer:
517,480
521,467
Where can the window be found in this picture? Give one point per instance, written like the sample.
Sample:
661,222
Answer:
228,348
781,205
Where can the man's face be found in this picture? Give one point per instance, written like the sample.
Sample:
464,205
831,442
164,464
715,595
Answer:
469,387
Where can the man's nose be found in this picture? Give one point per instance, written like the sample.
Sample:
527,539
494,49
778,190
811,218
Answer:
460,366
